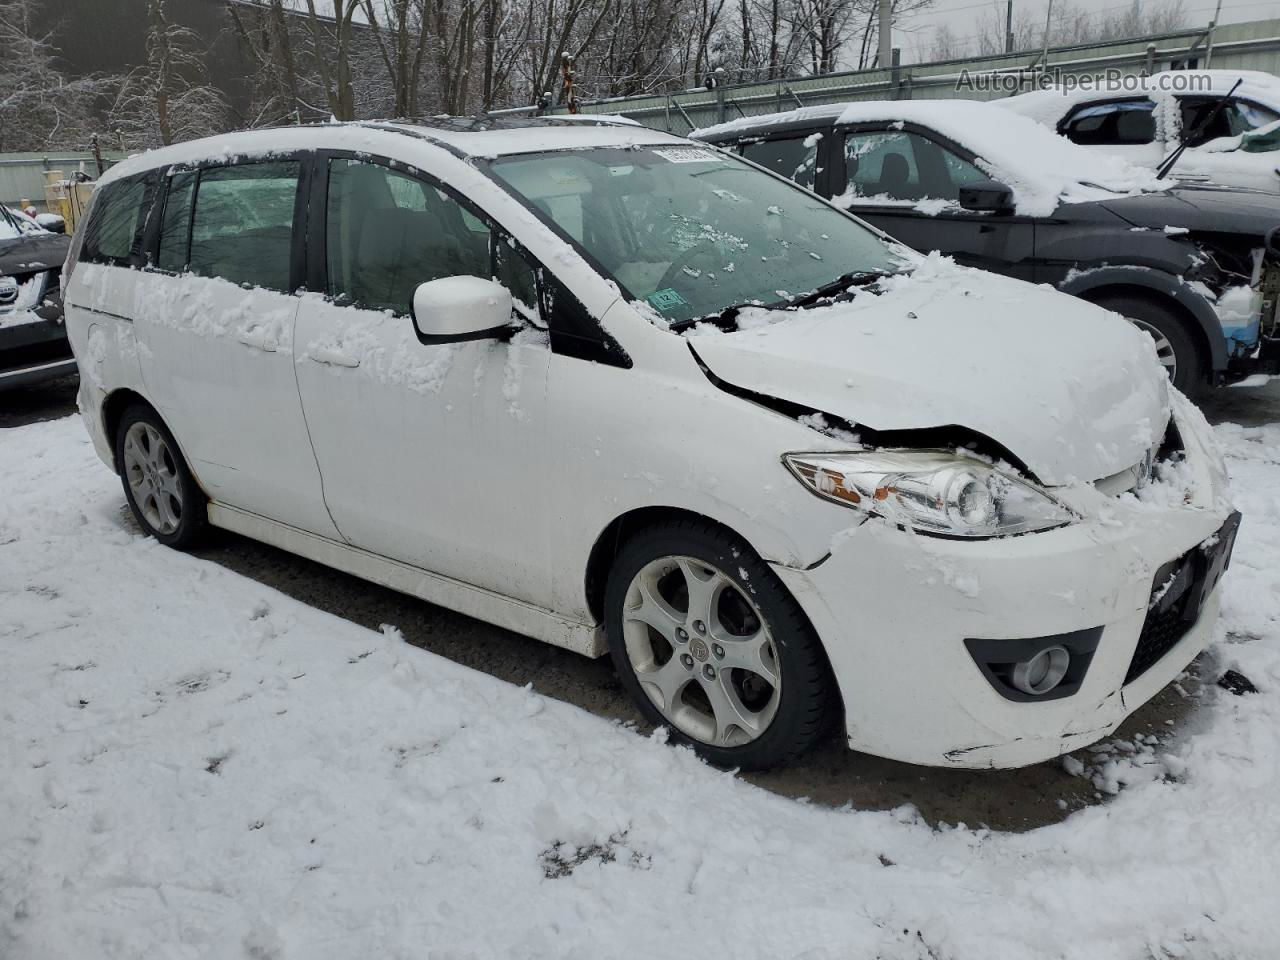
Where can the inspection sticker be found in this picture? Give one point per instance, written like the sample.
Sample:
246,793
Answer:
689,155
667,299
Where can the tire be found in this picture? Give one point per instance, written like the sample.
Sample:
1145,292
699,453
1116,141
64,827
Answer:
1177,347
163,495
730,714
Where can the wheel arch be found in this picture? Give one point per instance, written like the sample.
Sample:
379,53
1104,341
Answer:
1161,290
113,408
612,538
617,532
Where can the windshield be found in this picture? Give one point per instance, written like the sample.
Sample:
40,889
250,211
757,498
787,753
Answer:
692,231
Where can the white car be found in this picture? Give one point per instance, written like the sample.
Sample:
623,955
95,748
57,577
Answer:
625,393
1144,120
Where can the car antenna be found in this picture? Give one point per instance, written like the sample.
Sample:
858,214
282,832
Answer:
1167,164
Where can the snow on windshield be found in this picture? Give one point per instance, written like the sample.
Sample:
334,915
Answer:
690,231
14,225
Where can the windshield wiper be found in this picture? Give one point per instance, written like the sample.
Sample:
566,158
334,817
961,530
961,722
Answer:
854,278
724,317
1167,164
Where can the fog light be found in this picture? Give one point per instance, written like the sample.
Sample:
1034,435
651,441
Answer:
1042,672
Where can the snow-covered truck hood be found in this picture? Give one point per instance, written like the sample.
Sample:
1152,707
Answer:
1072,391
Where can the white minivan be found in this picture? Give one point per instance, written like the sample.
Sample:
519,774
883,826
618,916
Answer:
626,393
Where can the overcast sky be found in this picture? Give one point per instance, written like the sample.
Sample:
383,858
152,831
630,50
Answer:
967,17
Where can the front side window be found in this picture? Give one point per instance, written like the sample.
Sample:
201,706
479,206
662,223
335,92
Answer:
1118,122
388,232
242,227
113,233
897,166
796,158
691,230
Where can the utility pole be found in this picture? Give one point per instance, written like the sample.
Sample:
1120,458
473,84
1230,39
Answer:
1008,28
886,34
1208,47
1044,55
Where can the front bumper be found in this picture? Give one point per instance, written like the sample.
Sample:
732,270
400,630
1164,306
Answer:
894,610
33,348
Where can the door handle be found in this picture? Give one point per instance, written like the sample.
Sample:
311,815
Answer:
258,341
334,357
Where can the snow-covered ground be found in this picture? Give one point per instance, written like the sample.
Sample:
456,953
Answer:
195,766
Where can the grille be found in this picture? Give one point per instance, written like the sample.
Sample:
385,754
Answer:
1160,634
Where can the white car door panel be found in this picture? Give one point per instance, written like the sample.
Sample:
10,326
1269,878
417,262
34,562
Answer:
430,454
218,347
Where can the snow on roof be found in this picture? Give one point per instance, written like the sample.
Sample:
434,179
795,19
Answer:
596,118
1048,106
477,137
1042,168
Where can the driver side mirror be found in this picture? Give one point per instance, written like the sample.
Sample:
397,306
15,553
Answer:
986,196
456,309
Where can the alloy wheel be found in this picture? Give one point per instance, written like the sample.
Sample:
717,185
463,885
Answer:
701,651
1164,349
152,474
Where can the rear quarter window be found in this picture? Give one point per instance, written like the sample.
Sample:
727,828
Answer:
114,234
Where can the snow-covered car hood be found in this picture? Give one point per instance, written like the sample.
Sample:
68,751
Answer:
33,252
1202,207
1074,392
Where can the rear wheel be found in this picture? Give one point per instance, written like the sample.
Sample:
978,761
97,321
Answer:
163,495
1176,347
710,644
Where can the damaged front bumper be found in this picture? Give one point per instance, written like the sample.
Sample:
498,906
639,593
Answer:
898,611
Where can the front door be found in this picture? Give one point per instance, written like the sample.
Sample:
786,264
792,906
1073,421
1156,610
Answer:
908,185
215,318
431,454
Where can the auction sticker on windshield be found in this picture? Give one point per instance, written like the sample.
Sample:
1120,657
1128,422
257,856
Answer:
689,155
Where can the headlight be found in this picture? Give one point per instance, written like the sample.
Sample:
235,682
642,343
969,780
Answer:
934,492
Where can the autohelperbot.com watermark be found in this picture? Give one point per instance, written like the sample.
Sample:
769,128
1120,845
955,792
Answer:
1111,80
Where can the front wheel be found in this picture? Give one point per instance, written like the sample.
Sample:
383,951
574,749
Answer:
710,644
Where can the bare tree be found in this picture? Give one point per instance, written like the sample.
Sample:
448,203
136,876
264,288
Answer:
1068,24
283,90
399,29
39,106
332,40
168,98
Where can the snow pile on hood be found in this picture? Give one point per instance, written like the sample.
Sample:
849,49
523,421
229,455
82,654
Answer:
1042,168
1061,384
195,765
